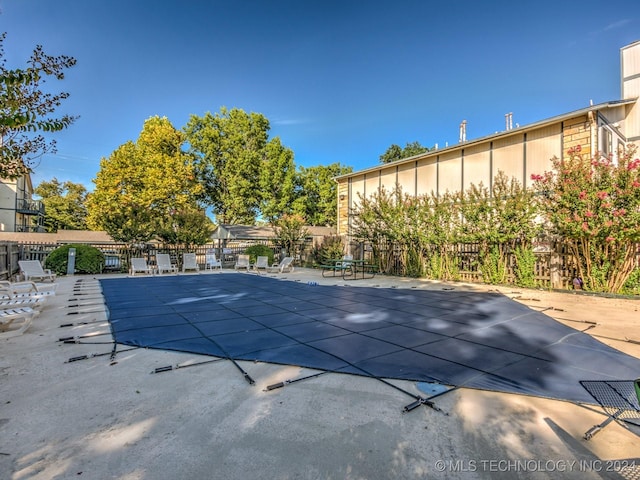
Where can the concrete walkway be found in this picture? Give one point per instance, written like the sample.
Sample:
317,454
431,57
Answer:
113,419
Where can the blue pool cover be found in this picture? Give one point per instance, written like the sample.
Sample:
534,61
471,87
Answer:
471,339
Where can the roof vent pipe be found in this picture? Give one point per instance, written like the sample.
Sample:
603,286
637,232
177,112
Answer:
508,120
463,131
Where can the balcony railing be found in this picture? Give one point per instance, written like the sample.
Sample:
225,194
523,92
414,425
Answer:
29,207
31,228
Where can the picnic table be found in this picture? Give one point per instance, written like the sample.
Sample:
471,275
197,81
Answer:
349,269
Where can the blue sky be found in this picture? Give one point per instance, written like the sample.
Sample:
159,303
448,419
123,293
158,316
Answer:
340,81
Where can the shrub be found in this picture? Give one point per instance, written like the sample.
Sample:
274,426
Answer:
331,248
88,259
256,251
525,267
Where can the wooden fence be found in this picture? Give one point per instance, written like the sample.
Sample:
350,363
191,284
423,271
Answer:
555,266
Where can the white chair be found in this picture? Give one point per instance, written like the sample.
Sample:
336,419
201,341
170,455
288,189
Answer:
140,265
189,262
261,262
12,288
211,262
163,263
32,270
285,264
20,316
242,262
22,302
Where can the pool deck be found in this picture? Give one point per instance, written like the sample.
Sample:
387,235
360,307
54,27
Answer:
104,419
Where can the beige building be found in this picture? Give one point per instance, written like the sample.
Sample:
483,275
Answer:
18,211
519,152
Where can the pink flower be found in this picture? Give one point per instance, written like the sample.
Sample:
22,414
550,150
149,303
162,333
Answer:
610,239
536,178
582,195
578,148
585,226
588,214
636,184
608,223
602,195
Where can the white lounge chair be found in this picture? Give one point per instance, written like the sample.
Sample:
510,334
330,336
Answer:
285,264
139,265
30,302
261,262
8,317
32,270
7,287
242,262
189,262
163,263
211,262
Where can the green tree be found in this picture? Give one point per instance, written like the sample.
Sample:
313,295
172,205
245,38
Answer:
25,109
186,228
141,184
317,193
231,150
395,152
65,205
277,181
290,233
594,205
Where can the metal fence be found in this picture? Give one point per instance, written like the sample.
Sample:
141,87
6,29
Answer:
118,255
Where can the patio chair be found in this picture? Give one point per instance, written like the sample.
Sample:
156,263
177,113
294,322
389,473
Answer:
23,302
163,263
242,262
261,262
285,264
189,262
8,293
12,288
211,262
22,317
139,265
32,270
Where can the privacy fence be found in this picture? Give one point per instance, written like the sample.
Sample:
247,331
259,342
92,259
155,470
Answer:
552,264
553,267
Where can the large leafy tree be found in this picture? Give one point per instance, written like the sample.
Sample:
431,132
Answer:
231,148
65,205
277,181
26,109
188,227
317,193
141,184
395,152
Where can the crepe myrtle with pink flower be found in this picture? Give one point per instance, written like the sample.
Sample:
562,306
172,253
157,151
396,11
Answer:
594,204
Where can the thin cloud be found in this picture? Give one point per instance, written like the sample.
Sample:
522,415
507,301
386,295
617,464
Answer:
615,25
290,121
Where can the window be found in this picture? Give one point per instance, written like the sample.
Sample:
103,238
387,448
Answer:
610,142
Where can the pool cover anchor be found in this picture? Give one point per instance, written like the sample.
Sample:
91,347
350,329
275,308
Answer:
94,355
275,386
170,368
